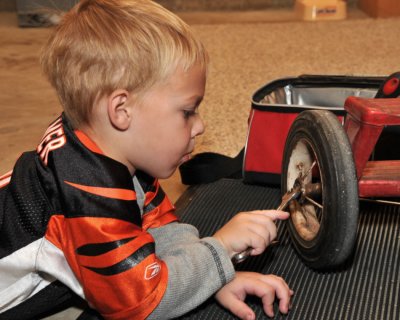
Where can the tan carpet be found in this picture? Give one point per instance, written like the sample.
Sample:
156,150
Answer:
247,56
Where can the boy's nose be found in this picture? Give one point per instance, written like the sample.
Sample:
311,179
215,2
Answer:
198,127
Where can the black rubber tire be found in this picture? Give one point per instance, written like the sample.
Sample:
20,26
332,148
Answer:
328,144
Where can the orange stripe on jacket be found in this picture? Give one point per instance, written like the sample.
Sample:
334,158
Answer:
114,193
163,214
87,142
150,195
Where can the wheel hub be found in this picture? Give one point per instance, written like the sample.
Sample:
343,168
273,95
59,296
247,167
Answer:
306,210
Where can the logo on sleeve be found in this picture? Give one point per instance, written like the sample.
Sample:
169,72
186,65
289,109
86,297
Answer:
152,270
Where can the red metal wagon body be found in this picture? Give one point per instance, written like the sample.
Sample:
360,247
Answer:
365,120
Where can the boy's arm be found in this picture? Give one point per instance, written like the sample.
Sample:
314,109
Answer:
197,268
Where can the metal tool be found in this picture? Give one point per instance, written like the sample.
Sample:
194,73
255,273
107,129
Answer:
287,197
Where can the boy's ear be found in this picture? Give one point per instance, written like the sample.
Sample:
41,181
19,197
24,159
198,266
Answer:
118,110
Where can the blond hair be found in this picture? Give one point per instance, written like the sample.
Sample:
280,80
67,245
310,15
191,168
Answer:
104,45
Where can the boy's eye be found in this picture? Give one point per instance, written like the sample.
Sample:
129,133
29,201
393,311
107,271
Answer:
188,113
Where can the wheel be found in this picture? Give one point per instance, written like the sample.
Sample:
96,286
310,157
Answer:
318,158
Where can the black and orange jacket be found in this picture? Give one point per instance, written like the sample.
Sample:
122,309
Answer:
69,214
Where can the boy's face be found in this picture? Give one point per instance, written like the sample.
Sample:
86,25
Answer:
165,123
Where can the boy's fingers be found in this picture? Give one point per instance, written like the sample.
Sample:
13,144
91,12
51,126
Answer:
273,214
258,243
265,292
238,307
268,305
285,304
283,292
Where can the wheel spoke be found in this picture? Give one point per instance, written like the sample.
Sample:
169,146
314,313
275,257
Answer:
309,170
314,202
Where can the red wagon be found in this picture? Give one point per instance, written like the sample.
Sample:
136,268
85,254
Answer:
329,155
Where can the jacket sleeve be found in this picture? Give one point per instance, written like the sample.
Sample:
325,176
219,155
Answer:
197,268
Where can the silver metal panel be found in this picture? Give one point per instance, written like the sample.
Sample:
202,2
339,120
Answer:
332,97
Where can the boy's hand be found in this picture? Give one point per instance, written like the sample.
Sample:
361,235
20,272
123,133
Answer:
254,229
266,287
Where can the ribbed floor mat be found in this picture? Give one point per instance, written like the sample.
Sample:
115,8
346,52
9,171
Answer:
368,288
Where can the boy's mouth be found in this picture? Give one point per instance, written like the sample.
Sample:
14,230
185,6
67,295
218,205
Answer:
186,157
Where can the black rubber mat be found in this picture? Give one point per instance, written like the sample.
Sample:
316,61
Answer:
367,288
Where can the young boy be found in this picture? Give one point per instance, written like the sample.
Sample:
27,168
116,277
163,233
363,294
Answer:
85,208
